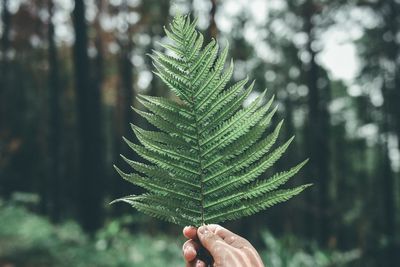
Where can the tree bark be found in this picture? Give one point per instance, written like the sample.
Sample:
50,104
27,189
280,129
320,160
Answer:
318,131
389,206
98,73
55,120
5,46
392,123
4,79
90,184
6,20
212,28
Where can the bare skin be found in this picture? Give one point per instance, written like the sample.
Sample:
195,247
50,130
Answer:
226,248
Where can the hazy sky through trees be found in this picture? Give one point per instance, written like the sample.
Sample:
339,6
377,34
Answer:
338,54
335,44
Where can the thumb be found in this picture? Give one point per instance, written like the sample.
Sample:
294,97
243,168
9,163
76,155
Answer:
210,241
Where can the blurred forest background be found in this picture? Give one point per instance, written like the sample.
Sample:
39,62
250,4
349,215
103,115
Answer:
70,70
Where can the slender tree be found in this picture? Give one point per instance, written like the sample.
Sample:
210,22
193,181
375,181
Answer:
126,70
160,19
318,122
392,100
98,72
5,38
55,121
4,76
125,91
380,54
90,184
5,46
212,28
394,55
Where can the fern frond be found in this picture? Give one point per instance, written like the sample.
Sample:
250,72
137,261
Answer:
205,161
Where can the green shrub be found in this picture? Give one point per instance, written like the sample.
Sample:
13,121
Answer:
291,252
27,239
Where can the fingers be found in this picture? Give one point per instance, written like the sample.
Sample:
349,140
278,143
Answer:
247,251
222,253
189,249
227,247
210,241
229,237
190,232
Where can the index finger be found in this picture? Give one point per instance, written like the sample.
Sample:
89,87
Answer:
229,237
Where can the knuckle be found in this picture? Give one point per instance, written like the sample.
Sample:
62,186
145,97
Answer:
218,228
186,245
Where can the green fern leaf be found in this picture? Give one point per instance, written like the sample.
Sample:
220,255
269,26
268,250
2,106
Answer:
204,162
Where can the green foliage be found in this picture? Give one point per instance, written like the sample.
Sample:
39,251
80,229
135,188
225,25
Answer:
289,251
27,239
206,159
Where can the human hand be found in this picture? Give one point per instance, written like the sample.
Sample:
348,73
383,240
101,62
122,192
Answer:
226,248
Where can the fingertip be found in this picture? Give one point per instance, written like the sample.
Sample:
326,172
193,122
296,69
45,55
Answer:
189,250
190,232
190,254
185,229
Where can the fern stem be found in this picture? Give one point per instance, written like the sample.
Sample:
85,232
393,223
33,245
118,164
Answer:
201,174
202,204
192,99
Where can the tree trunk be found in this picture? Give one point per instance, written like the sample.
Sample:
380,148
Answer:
389,225
5,45
389,206
212,28
391,106
156,87
90,184
5,38
55,119
124,113
318,132
4,80
98,73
